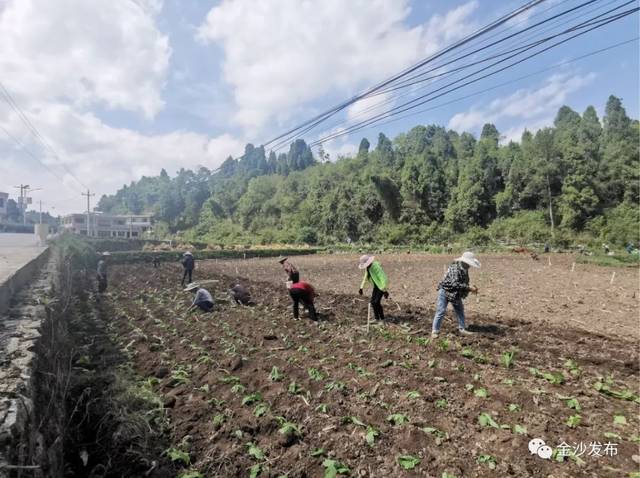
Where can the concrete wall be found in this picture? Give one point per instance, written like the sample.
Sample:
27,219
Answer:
19,278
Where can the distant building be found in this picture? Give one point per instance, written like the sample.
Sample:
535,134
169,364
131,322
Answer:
108,225
4,198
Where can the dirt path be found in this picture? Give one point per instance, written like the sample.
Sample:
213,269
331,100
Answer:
250,389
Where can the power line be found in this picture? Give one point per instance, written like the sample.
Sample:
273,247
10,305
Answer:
36,133
501,85
423,99
330,112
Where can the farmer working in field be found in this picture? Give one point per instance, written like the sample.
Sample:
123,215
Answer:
301,291
289,268
101,272
188,263
239,294
378,278
202,298
454,288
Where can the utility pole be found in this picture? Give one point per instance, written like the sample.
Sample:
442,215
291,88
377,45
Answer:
23,188
88,194
40,202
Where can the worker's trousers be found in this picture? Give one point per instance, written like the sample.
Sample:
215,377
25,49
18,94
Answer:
376,303
187,272
441,309
298,296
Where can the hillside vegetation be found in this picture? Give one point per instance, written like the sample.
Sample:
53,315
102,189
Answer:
576,181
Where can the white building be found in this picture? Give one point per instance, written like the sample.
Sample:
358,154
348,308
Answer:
108,225
4,197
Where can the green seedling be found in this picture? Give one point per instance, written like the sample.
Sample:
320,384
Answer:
398,419
255,470
408,462
371,435
442,403
519,429
514,407
444,344
555,378
422,341
508,381
481,392
229,379
275,374
619,420
190,474
488,460
486,420
605,389
255,451
439,435
204,388
574,404
431,363
318,452
289,428
294,388
322,408
413,395
353,420
219,419
573,421
335,386
333,468
315,374
611,435
573,367
260,410
178,456
238,388
251,398
467,352
507,358
446,474
180,376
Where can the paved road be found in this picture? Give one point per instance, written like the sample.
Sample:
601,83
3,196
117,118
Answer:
15,251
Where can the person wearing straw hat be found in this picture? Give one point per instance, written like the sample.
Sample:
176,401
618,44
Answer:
453,288
188,263
202,298
101,272
290,269
376,276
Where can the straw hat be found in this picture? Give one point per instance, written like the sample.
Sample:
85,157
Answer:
192,286
365,261
469,258
106,253
281,259
188,253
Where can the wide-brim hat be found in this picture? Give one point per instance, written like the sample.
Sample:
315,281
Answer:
188,253
365,261
281,259
191,287
106,253
469,258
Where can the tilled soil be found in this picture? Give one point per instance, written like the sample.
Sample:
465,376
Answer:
309,395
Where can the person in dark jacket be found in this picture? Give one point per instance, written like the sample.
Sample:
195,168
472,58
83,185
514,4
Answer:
202,298
289,269
240,294
188,263
454,288
303,292
101,272
375,275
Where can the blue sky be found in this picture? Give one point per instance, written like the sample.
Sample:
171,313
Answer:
138,85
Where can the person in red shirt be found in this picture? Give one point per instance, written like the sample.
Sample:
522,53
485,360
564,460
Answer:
303,292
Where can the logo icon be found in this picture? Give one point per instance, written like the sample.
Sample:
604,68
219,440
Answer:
538,447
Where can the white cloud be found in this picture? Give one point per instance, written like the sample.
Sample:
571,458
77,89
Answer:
534,107
282,54
84,53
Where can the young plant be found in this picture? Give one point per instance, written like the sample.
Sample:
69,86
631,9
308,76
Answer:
315,374
486,420
573,421
251,398
488,460
519,429
294,388
260,410
507,358
354,421
439,435
398,419
444,344
481,392
514,407
254,451
178,456
371,435
412,395
408,462
574,404
333,468
318,452
322,408
442,403
334,386
275,374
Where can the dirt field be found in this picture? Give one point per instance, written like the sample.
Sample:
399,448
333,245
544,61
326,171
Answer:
251,392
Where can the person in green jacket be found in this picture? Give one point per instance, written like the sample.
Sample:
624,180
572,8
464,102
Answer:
378,278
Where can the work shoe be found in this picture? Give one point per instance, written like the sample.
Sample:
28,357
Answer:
464,332
434,335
